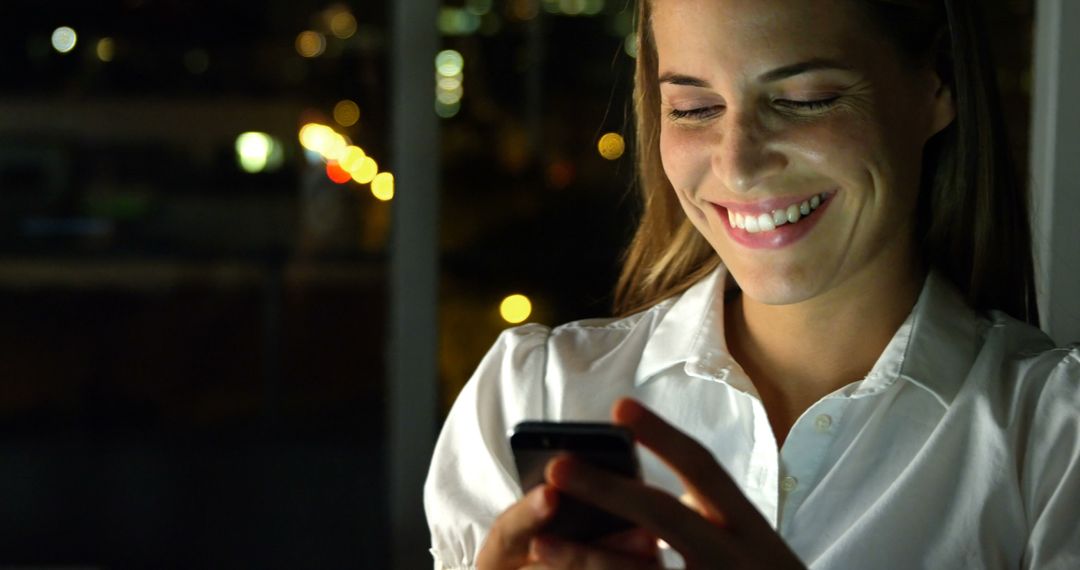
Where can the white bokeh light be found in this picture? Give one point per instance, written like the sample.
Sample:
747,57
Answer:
63,39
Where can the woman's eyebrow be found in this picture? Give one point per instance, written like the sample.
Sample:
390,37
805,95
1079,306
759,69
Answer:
679,79
815,64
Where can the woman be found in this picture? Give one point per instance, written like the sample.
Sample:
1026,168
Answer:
823,346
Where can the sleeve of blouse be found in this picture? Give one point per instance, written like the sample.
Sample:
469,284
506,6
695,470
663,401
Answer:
472,478
1052,471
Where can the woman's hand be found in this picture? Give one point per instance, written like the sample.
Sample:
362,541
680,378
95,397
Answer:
514,540
722,529
507,543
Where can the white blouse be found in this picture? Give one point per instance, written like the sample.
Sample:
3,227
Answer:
960,448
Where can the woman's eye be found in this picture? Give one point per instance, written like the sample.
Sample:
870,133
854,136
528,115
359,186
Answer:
815,105
702,113
699,113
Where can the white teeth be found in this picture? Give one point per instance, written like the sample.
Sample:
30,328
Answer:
772,220
793,214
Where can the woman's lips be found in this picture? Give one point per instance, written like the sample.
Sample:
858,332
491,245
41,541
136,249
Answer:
779,236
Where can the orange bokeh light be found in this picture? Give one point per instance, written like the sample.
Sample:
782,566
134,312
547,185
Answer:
336,173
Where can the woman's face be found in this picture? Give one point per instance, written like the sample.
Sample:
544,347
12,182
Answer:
792,132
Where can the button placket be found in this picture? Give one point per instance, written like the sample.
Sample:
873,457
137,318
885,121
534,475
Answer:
801,458
765,462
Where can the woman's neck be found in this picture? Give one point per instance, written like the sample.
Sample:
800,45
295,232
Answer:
797,354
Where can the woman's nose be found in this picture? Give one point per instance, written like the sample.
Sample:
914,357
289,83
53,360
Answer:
746,154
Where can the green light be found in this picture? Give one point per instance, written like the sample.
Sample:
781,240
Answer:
258,152
449,63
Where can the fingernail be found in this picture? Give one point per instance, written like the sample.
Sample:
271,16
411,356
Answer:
540,503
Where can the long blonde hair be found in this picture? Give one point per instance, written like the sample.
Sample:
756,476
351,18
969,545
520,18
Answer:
667,254
972,217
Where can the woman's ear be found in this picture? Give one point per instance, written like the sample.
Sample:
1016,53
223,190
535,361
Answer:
943,107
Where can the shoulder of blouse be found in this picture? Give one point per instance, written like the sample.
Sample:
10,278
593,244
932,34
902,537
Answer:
1026,353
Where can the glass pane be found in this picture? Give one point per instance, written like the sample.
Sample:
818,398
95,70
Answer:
193,303
531,205
537,166
194,215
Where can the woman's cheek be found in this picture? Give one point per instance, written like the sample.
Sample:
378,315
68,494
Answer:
683,161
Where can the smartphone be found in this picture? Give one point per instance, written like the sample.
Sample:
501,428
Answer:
603,445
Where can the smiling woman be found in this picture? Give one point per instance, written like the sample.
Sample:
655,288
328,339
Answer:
971,220
822,310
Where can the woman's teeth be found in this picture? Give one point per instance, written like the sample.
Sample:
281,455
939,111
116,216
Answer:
769,222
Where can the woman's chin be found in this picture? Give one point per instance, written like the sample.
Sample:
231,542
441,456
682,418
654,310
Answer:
777,286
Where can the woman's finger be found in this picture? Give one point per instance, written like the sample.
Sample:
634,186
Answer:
507,544
651,508
713,491
635,542
749,537
557,553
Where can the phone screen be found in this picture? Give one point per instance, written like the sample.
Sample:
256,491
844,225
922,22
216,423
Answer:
606,446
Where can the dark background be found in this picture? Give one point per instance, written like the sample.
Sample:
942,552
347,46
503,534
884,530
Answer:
191,355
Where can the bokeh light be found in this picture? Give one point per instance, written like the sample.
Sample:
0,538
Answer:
315,137
449,77
572,7
630,45
458,21
344,161
346,113
343,24
335,147
449,96
515,308
365,171
382,186
106,49
560,174
522,10
310,44
335,172
611,146
622,24
478,7
448,83
352,156
258,152
447,110
64,39
449,63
